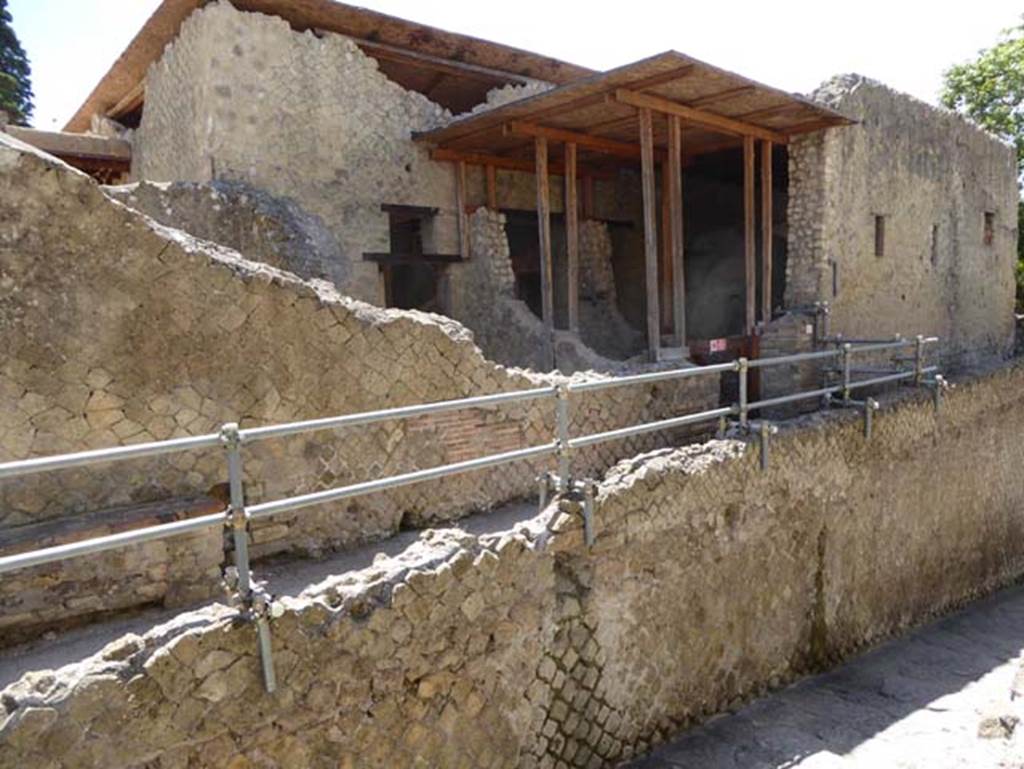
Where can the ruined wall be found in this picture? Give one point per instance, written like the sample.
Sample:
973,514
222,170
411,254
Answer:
117,330
709,582
266,228
602,326
932,176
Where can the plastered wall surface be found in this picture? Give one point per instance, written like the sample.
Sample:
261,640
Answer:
117,330
709,582
932,176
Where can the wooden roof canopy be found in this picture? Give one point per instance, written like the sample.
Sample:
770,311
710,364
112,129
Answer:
453,70
600,115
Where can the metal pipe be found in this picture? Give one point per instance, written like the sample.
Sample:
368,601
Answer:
795,358
664,424
95,456
400,412
890,378
108,542
655,376
266,509
266,654
783,399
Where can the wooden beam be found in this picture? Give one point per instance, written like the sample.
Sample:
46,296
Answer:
130,101
540,146
766,232
572,238
609,146
700,117
492,186
387,52
674,165
716,98
460,208
72,145
650,232
749,254
510,164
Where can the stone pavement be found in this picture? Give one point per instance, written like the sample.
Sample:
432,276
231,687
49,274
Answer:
914,702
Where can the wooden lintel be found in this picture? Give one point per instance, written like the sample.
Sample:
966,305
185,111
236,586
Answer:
72,145
749,254
697,116
401,208
572,238
674,166
766,232
544,232
650,232
385,257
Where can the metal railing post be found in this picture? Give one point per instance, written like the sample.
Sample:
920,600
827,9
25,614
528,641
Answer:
254,604
562,437
919,360
847,347
742,367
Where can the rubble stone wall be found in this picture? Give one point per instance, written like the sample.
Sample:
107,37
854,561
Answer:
117,330
932,176
710,581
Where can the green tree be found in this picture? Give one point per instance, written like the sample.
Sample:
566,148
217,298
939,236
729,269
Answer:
990,91
15,73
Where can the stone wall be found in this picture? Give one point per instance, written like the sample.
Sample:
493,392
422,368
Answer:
266,228
117,330
710,581
932,176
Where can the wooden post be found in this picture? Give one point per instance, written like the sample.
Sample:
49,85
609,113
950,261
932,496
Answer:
492,187
540,145
650,231
766,231
665,255
675,194
572,238
460,204
749,253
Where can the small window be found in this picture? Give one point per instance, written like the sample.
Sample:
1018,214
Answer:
990,228
935,244
879,235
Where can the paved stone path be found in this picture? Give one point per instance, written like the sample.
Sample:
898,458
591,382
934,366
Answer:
914,702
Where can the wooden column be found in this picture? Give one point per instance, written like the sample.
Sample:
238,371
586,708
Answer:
572,237
540,145
460,205
650,231
749,252
492,187
675,196
766,231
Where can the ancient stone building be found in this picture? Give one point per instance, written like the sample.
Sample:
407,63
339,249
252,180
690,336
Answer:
389,135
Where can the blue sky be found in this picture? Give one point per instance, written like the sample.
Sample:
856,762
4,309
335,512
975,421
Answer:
791,44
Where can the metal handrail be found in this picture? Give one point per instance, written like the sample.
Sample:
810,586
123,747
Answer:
231,438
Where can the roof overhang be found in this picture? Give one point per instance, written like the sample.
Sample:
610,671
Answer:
408,52
600,114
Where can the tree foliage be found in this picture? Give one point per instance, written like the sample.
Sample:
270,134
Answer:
990,91
15,72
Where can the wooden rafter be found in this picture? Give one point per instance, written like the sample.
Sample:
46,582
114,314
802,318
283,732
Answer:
509,164
716,98
700,117
596,143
